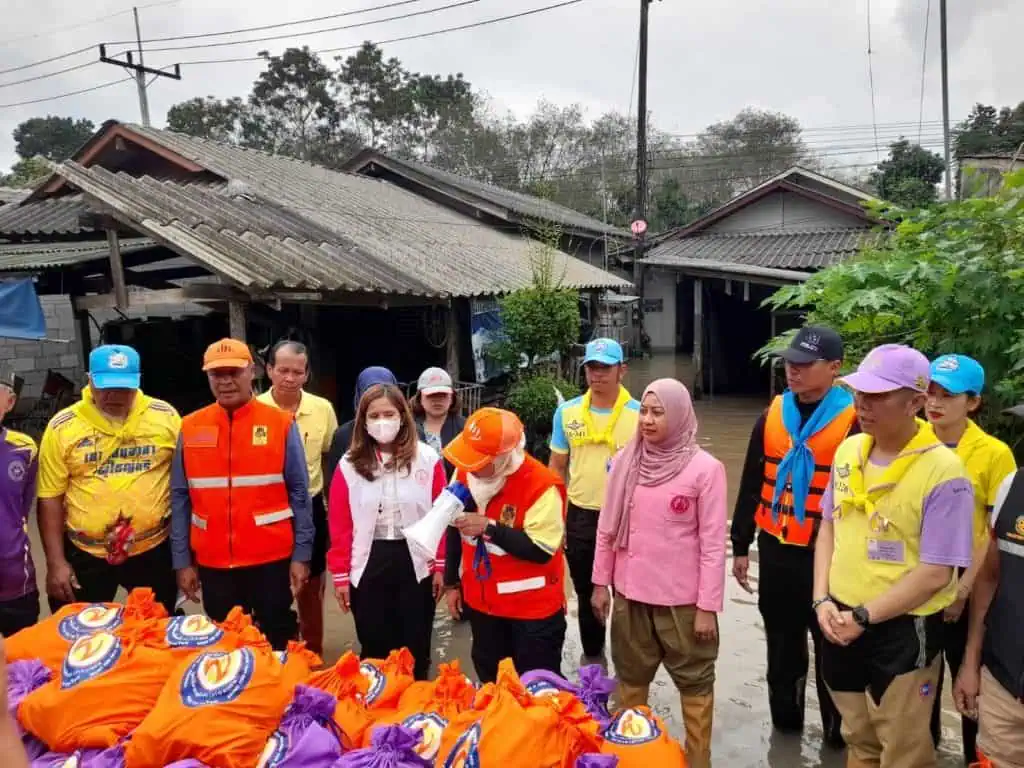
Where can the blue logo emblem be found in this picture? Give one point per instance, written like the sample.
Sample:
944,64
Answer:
274,752
195,631
541,688
217,678
281,656
631,727
91,619
466,752
89,657
431,727
376,679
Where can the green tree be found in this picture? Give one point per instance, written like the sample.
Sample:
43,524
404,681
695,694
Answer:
27,173
208,118
908,177
52,137
950,279
988,129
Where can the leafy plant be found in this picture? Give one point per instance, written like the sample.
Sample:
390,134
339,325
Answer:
949,279
534,399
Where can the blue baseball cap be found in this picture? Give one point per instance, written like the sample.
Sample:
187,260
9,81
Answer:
114,366
958,374
603,351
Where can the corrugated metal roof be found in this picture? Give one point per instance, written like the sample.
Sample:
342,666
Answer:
56,216
806,250
13,195
27,257
283,223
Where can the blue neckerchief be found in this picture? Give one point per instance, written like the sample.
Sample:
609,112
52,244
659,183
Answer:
797,466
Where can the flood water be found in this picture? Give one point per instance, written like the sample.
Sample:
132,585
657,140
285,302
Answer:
743,737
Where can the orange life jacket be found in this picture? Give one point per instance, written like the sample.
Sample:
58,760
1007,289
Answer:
235,468
515,588
777,442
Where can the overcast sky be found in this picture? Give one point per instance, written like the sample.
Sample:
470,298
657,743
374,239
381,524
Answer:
708,58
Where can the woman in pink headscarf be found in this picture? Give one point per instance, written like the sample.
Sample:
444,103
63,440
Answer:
661,546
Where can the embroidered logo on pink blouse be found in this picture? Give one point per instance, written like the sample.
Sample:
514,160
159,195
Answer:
679,504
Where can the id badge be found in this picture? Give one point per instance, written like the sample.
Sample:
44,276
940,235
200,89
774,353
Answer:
886,551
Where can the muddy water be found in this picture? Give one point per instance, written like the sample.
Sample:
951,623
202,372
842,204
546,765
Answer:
743,737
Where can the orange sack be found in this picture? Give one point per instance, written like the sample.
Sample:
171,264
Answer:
218,707
105,688
429,706
506,723
346,682
388,678
49,640
183,636
640,740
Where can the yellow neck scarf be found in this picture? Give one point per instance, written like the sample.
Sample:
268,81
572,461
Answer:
90,412
606,436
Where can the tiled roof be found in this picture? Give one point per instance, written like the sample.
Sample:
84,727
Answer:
26,257
55,216
282,223
12,195
788,249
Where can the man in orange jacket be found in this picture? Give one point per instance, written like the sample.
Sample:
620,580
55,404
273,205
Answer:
240,502
510,548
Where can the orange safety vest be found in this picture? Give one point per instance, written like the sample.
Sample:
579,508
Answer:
234,463
516,589
823,445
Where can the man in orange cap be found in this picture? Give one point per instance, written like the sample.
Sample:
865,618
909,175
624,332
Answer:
510,549
240,502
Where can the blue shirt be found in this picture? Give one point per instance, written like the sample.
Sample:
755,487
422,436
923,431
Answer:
19,464
296,480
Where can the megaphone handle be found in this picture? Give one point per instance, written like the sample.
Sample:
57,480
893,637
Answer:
481,561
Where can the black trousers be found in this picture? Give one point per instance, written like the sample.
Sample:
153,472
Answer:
530,643
954,645
18,613
391,608
785,593
580,543
98,580
263,591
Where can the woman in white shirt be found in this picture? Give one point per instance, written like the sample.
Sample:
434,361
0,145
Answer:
386,481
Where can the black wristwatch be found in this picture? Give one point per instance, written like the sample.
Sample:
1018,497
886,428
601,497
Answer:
490,529
860,615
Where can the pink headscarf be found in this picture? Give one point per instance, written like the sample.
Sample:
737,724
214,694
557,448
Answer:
643,463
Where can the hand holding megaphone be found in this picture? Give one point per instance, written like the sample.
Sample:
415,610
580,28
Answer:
424,536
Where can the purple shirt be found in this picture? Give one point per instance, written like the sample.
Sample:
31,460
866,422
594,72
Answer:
946,522
19,463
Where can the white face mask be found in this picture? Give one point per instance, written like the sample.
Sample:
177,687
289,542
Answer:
384,430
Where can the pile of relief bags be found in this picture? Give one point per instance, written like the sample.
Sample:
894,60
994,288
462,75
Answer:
124,686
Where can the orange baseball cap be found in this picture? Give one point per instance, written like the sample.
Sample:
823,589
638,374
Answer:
489,432
227,353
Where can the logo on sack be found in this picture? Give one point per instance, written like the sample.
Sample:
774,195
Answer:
92,618
541,688
281,656
89,657
431,727
217,678
376,679
466,752
195,631
274,752
117,361
631,727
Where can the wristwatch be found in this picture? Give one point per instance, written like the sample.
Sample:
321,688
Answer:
860,615
820,602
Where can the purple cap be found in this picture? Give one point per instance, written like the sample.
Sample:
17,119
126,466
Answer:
891,367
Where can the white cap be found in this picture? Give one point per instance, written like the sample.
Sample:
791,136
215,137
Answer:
434,380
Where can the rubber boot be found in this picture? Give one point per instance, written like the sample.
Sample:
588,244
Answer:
698,716
632,695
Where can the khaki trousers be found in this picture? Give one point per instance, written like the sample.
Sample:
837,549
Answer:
894,733
1000,724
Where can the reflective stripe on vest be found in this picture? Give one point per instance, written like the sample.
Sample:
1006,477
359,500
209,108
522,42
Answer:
238,481
823,444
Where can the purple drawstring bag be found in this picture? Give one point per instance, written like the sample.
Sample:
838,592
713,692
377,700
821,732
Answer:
307,736
392,747
81,758
23,677
190,763
594,760
594,689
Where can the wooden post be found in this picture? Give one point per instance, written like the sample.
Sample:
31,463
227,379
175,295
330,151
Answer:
698,337
117,269
236,320
84,333
451,362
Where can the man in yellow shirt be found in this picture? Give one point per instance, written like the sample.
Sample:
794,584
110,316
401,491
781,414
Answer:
288,369
896,524
587,431
104,487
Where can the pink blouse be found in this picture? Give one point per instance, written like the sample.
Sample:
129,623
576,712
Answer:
676,550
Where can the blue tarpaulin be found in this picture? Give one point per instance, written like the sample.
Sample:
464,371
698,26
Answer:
21,314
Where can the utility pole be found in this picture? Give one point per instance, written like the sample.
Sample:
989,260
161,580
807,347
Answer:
639,226
945,99
139,70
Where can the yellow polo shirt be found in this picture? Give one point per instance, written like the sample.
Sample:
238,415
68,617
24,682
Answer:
105,469
317,423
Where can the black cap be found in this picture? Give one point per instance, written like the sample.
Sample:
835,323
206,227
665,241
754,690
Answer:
813,343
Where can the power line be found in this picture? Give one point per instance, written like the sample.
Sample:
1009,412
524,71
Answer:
48,74
88,23
64,95
67,55
871,82
924,67
906,125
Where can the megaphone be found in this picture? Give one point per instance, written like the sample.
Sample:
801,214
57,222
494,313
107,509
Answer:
424,536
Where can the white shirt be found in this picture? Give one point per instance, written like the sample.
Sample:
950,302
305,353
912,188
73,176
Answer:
389,515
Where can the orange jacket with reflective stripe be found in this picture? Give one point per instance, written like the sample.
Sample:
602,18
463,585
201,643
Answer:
516,589
234,463
823,445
